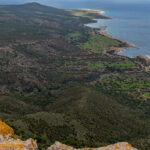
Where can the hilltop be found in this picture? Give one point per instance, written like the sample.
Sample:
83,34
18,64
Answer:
8,140
61,81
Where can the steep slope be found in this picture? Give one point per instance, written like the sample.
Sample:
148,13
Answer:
117,146
82,116
8,141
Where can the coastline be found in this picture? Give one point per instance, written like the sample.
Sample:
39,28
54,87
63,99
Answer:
118,49
115,50
93,10
102,31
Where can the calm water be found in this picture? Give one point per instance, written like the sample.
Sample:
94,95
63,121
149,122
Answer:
131,24
130,21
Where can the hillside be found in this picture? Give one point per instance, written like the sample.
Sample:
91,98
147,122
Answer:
9,141
62,81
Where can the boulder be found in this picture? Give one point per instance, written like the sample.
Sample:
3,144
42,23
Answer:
8,140
117,146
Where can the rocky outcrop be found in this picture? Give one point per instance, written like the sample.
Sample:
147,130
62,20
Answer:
8,141
117,146
144,59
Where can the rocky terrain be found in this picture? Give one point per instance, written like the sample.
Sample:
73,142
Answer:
8,141
61,81
117,146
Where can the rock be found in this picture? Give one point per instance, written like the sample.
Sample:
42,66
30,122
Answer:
8,140
144,59
6,132
117,146
17,144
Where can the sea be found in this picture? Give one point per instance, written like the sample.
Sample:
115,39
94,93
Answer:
130,19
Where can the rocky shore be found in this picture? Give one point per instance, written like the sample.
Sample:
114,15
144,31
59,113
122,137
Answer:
102,31
117,146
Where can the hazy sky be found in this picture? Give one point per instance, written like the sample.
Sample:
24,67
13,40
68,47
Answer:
74,3
49,1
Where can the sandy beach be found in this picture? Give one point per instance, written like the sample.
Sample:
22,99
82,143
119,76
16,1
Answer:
94,10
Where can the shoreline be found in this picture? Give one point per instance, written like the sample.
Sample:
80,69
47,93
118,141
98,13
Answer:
102,31
94,10
118,49
115,50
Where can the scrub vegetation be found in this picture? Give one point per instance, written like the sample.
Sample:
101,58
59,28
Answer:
57,84
98,44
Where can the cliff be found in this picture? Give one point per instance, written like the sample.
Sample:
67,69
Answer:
8,141
117,146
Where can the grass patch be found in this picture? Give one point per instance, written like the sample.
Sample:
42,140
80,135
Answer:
74,35
83,13
147,94
125,84
96,65
98,43
123,65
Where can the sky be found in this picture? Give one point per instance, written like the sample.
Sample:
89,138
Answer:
105,4
53,1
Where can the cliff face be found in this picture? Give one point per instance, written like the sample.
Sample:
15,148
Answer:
6,132
117,146
8,141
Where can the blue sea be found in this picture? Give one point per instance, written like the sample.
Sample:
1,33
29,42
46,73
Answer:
130,19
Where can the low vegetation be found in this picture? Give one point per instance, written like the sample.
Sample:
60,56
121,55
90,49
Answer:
96,65
88,13
122,64
74,35
98,44
126,84
56,84
147,94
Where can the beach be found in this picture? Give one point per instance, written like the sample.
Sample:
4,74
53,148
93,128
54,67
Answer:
94,10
